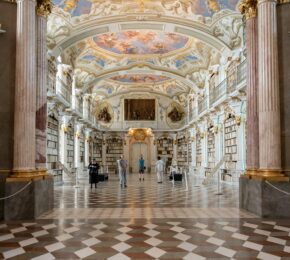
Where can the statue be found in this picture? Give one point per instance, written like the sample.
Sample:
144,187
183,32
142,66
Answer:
104,115
175,115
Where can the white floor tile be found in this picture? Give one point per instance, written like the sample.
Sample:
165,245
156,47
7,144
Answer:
13,253
153,241
277,240
121,247
6,237
91,241
266,256
123,237
44,257
177,229
182,237
215,241
125,229
253,246
17,230
151,233
85,252
207,232
155,252
240,236
187,246
225,251
64,237
119,257
54,247
192,256
40,233
28,242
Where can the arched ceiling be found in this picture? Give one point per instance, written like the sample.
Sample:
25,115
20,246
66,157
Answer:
165,47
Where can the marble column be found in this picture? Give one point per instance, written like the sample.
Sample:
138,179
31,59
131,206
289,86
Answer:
25,89
269,101
252,91
86,104
41,92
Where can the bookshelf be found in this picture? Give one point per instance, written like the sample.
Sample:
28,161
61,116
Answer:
70,147
198,151
52,143
165,150
82,150
230,143
182,152
211,149
97,150
114,150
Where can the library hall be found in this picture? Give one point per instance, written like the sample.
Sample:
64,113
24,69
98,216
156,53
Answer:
144,129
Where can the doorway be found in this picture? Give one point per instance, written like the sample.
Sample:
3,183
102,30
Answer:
136,150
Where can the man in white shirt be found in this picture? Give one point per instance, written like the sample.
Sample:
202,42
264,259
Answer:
123,164
159,166
119,170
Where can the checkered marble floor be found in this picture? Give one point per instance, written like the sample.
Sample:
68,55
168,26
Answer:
137,224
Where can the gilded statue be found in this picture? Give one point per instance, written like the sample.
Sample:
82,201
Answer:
44,7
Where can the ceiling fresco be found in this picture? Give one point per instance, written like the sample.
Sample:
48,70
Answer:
140,79
141,42
204,8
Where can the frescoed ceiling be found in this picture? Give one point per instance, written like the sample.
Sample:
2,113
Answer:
141,42
155,46
140,79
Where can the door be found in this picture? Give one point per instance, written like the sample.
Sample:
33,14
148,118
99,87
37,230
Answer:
136,150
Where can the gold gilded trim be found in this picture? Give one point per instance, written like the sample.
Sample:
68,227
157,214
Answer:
251,172
43,7
248,8
283,2
31,174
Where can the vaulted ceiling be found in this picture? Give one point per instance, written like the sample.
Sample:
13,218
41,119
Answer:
165,47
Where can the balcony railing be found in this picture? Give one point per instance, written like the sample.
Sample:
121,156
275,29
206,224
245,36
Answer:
62,90
227,86
218,92
203,105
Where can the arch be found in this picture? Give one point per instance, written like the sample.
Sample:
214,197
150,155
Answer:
166,24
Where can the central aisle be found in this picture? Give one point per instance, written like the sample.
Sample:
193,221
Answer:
146,220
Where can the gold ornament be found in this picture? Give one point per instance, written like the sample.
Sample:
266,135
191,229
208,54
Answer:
248,8
43,7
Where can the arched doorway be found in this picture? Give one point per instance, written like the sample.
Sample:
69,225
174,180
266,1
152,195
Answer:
138,149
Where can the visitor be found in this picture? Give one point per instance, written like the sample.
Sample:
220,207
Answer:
141,168
159,169
119,170
123,164
93,172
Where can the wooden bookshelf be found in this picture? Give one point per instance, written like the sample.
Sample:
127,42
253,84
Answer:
97,150
182,152
198,151
165,150
230,143
52,143
114,151
211,149
70,147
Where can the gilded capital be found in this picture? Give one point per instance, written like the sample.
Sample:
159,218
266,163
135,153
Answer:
248,8
43,7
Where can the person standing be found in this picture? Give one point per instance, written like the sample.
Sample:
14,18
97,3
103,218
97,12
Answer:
159,166
123,164
141,168
119,170
93,172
